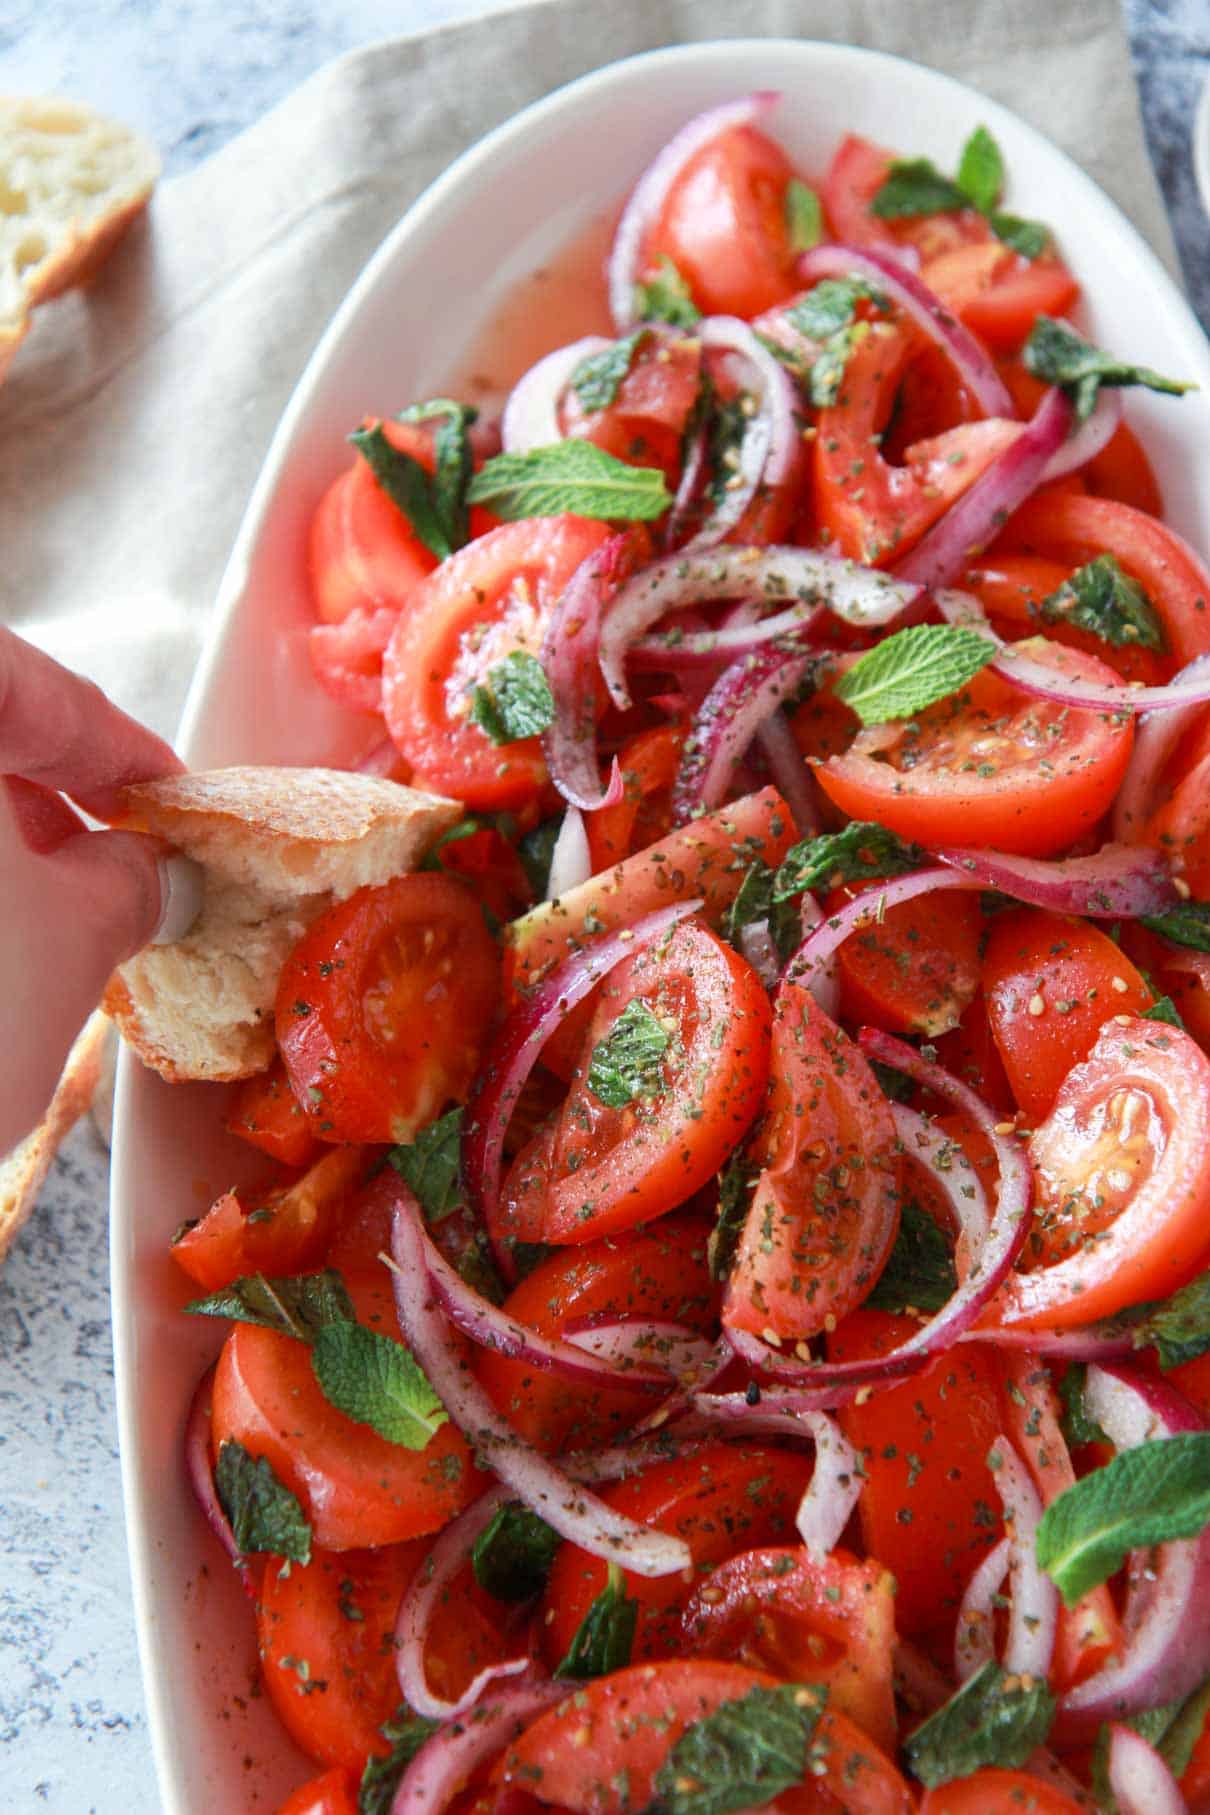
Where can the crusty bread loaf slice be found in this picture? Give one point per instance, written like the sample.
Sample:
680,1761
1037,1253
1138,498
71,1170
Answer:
23,1172
277,847
71,183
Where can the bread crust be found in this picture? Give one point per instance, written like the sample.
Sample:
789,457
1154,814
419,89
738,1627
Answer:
23,1172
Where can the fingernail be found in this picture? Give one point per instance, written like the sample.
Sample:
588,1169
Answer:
183,886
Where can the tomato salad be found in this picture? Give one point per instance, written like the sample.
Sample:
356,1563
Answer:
728,1322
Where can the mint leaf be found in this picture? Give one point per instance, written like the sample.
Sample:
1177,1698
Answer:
993,1720
463,828
297,1307
1102,599
405,1733
433,503
919,1274
515,700
911,670
981,171
1029,238
1153,1493
535,849
1186,924
628,1062
1058,355
744,1754
571,476
1164,1009
916,186
512,1556
1175,1746
804,216
863,851
1172,1729
1179,1328
452,448
832,305
1076,1423
597,379
374,1380
604,1639
735,1183
829,366
431,1164
263,1515
666,297
893,1083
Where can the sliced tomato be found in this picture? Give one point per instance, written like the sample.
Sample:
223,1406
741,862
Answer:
211,1251
929,1510
658,1272
826,1207
999,1793
1176,971
356,1488
335,1793
646,421
267,1114
364,554
383,1007
857,172
277,1230
649,762
829,1622
613,1167
990,766
1051,983
1122,1182
493,597
1123,473
723,225
971,1053
522,1213
916,969
1013,588
488,864
996,291
324,1633
347,657
1181,827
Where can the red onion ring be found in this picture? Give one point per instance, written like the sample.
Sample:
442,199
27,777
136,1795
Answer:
834,1488
625,1343
1118,881
914,297
744,696
1089,438
1167,1637
1156,736
518,1043
824,981
827,936
1141,1782
200,1473
569,661
954,1174
570,857
693,478
531,415
779,574
790,772
1096,1342
445,1763
653,188
425,1593
1033,1620
756,947
975,1632
771,444
680,1402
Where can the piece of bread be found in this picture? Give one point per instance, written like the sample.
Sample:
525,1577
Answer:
71,183
277,847
23,1172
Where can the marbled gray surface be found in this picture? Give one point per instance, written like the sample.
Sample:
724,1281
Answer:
72,1732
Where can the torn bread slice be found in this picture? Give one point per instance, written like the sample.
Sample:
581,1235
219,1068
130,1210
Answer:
277,847
23,1172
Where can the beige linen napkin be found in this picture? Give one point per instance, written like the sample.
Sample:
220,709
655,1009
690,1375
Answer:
136,417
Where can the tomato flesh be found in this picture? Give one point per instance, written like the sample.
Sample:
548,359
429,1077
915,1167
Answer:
915,969
335,1793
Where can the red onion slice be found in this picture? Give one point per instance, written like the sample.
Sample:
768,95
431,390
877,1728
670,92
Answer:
531,415
790,773
834,1488
798,579
653,188
1033,1619
954,1174
975,1632
744,696
445,1763
569,661
680,1402
1118,881
1156,736
757,948
1141,1782
518,1044
200,1473
626,1343
425,1594
771,444
1089,438
1096,1342
570,859
909,293
826,937
546,1489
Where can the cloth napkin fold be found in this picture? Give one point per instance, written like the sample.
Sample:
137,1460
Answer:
137,415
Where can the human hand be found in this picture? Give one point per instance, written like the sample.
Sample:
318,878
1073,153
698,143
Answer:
73,902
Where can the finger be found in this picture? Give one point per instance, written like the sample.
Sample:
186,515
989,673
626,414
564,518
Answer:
61,731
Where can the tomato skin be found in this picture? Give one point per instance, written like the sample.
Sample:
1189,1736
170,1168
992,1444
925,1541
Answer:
612,1168
922,779
916,970
356,1488
826,1207
1012,589
212,1251
335,1793
285,1229
490,597
646,421
268,1115
857,172
1074,976
998,1793
649,762
324,1634
970,1052
1122,1183
723,225
364,553
997,292
412,954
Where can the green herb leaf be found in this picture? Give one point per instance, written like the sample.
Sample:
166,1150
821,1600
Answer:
264,1515
1100,598
1186,924
916,186
1179,1328
628,1062
919,1274
515,701
913,669
1077,1425
863,851
744,1754
804,216
893,1083
464,828
1058,355
512,1556
535,849
452,448
597,379
981,171
297,1307
570,476
431,1164
604,1639
735,1183
1175,1746
433,503
829,366
832,305
986,1723
1164,1009
374,1379
754,901
1029,238
1173,1729
1147,1495
666,297
405,1733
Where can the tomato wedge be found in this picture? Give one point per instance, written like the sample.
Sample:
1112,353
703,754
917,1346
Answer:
1012,588
364,553
826,1206
970,770
281,1230
916,969
335,1793
999,1793
1122,1171
645,423
383,1007
649,762
613,1167
267,1114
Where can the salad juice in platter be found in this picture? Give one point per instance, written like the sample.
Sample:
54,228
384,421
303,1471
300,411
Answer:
727,1325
